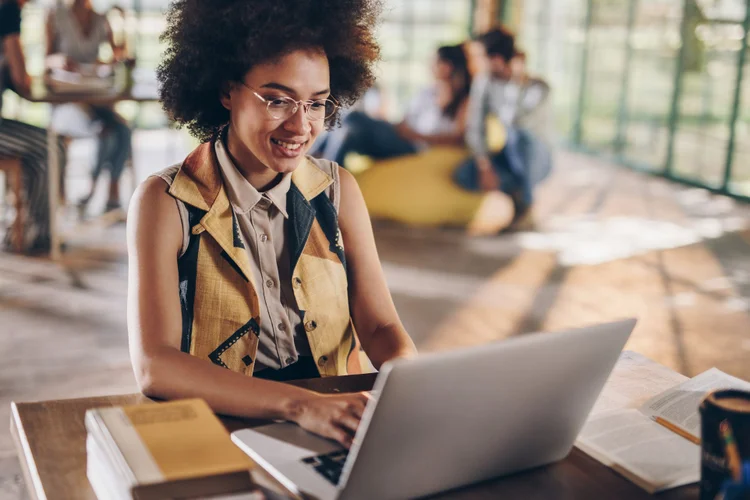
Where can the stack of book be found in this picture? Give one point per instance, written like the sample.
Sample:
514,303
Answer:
177,449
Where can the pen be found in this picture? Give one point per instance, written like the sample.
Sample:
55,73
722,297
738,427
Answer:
677,430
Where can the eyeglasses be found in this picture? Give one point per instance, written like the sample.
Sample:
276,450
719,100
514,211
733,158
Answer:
281,108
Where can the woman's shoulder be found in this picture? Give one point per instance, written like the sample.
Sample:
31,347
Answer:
168,174
332,169
327,166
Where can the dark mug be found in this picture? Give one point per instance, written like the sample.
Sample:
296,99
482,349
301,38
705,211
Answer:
725,445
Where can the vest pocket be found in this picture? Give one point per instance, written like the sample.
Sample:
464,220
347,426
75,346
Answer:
237,352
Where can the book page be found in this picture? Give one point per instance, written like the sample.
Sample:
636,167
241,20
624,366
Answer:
679,405
645,452
634,380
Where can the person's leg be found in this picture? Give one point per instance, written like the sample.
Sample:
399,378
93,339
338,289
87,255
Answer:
114,150
466,175
120,152
368,136
30,144
537,156
513,165
513,182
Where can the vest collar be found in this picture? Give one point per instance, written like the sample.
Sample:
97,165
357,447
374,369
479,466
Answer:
199,183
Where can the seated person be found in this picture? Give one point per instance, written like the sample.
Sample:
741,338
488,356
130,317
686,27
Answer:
74,35
252,263
436,116
520,104
21,140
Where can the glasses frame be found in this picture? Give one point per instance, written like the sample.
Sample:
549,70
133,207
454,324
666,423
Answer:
306,105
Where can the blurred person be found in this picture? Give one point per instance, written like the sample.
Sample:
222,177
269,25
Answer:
75,32
504,90
252,263
435,116
21,140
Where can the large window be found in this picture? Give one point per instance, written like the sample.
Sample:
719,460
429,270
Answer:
655,83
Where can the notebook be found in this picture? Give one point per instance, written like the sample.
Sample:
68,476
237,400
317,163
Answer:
646,425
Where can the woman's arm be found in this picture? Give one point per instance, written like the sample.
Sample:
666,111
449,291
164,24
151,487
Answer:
454,138
155,326
375,318
118,51
17,64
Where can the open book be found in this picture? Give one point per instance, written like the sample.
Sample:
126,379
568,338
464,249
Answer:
645,425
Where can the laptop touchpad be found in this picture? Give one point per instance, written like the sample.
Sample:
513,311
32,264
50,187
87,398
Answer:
287,441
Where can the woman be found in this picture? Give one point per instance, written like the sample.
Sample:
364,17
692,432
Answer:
74,34
20,140
435,117
250,262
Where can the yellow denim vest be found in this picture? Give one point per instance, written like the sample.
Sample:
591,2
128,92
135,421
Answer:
220,310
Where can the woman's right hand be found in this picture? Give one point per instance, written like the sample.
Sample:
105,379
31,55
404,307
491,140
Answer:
334,416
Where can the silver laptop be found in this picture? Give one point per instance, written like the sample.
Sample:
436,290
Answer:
449,419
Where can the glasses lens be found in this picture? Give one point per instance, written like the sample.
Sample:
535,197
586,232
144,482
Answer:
281,107
321,109
331,107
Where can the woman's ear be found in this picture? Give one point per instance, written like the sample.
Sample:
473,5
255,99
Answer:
225,95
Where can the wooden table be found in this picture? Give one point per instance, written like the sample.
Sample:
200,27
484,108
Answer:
50,440
123,90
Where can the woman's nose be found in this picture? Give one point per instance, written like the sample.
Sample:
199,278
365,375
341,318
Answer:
299,123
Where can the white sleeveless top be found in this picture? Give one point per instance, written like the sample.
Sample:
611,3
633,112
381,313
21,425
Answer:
69,37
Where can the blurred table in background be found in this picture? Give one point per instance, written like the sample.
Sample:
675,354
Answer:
124,88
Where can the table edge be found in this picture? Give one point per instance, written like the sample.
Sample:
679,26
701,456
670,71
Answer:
34,485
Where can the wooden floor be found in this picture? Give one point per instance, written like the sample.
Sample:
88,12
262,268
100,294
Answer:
609,243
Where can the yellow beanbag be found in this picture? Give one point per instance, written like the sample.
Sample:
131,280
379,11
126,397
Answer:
419,190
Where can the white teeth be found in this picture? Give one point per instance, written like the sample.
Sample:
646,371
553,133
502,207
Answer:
287,145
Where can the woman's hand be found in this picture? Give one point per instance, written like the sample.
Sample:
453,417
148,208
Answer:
332,416
488,179
407,133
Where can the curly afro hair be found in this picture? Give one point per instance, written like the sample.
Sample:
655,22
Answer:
213,42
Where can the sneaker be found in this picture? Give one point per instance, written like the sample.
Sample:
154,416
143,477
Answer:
112,205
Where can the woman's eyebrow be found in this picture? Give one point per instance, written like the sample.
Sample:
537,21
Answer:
284,88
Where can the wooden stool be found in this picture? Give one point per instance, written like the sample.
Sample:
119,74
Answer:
14,182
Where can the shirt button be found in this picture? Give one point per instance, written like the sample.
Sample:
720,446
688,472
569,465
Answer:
289,360
282,327
322,360
269,283
263,238
311,325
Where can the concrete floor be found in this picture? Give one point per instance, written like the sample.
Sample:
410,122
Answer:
610,243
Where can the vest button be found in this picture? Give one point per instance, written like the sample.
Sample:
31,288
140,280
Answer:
311,325
322,360
297,282
269,283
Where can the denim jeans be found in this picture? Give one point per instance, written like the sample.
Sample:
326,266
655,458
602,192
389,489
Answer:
522,163
114,144
362,134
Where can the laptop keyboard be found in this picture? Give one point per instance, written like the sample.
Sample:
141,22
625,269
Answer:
329,465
